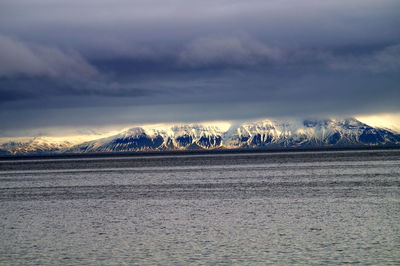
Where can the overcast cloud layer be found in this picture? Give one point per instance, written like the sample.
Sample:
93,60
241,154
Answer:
82,63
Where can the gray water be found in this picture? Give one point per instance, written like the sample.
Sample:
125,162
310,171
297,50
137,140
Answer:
245,209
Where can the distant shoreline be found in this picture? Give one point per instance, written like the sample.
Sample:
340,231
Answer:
191,152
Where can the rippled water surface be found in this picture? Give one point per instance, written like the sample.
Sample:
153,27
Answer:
255,209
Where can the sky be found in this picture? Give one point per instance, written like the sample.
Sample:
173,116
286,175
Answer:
71,64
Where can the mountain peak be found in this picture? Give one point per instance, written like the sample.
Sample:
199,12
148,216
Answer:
265,134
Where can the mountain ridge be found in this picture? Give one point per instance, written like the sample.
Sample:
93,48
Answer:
261,134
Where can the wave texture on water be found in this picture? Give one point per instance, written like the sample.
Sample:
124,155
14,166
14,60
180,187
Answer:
262,208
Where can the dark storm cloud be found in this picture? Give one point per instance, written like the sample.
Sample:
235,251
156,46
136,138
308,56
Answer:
155,61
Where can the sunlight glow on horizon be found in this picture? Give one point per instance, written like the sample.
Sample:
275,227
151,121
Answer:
390,121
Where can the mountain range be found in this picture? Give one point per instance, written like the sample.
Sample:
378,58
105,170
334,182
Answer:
262,134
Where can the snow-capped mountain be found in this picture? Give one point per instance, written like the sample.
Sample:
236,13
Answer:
172,137
263,134
309,133
259,134
37,145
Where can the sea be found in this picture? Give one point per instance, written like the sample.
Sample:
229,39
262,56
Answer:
261,208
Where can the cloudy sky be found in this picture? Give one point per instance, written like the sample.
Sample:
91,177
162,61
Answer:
97,63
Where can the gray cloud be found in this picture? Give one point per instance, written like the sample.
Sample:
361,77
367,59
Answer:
384,60
18,58
233,51
98,61
91,24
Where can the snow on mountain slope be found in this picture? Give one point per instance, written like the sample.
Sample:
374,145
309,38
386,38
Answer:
263,134
34,145
257,134
172,137
389,121
310,133
43,144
